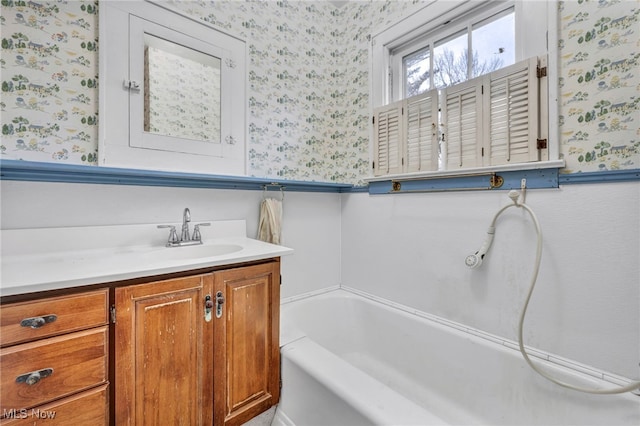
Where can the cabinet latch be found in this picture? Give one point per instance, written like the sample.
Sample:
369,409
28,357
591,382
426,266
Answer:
131,85
208,307
219,302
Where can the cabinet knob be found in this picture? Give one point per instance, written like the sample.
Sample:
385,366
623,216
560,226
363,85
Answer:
37,322
34,377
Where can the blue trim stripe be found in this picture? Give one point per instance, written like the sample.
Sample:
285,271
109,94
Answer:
536,179
75,173
600,177
359,188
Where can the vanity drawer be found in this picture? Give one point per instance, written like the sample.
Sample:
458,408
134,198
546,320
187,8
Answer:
67,364
88,408
26,321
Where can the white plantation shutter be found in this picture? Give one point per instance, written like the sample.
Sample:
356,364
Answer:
388,137
511,112
491,120
422,137
462,118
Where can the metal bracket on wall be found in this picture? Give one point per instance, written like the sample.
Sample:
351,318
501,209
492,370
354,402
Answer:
496,181
411,185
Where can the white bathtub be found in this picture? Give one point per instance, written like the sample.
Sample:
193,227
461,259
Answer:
351,360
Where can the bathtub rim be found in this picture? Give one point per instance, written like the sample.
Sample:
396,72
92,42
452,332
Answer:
534,353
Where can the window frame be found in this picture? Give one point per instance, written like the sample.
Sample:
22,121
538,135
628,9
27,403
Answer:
435,36
425,23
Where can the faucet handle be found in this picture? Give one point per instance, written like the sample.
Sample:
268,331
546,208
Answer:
196,231
173,235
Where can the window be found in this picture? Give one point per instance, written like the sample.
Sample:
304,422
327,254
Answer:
465,91
482,46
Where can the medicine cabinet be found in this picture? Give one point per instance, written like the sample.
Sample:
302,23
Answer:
172,91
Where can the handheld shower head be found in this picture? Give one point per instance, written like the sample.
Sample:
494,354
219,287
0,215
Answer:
474,260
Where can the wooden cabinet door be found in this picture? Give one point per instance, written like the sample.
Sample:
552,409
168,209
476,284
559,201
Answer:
164,353
246,348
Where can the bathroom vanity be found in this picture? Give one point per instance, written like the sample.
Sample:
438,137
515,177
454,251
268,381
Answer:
137,334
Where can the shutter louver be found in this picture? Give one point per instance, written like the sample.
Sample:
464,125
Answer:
511,106
388,132
422,136
462,114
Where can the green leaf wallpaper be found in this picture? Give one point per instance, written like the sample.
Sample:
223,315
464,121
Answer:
49,81
600,85
308,82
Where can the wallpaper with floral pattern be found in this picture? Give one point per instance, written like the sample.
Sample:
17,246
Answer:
49,81
308,97
600,84
308,82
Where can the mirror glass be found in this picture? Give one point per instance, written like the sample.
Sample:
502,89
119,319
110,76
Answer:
178,83
181,91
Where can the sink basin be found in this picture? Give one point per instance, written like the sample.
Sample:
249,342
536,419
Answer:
195,252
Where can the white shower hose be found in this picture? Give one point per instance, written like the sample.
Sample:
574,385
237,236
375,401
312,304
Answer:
628,388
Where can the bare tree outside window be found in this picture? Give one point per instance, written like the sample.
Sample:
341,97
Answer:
417,73
493,45
449,69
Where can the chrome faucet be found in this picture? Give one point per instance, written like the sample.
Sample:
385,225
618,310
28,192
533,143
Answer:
186,218
185,239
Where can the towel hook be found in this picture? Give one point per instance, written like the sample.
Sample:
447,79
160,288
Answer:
266,185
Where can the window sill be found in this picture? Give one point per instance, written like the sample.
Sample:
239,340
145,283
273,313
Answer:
542,174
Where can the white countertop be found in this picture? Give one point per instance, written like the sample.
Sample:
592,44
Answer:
55,258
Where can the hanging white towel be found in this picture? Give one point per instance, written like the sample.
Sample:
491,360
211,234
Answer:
270,225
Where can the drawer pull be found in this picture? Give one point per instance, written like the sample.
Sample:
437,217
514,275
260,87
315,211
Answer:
34,377
37,322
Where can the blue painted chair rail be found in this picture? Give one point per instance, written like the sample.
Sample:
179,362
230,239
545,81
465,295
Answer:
74,173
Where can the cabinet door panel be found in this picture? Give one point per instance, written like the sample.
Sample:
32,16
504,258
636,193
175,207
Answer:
248,341
163,353
247,349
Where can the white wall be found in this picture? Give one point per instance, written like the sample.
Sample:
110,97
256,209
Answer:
311,220
410,248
